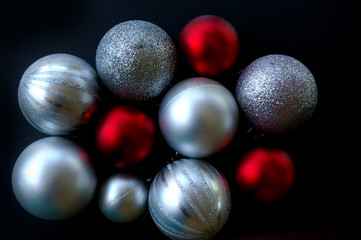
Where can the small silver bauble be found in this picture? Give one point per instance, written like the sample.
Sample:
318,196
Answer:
277,93
123,198
136,60
53,179
189,199
58,94
198,117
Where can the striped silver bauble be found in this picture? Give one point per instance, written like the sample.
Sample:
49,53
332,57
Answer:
58,94
189,199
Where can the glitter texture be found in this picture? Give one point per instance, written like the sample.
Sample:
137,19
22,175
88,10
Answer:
277,93
136,60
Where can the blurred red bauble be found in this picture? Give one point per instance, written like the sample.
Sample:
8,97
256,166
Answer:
266,174
210,43
126,135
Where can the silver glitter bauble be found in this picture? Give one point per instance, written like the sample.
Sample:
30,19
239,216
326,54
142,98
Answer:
277,93
123,198
136,60
58,94
189,199
198,117
53,179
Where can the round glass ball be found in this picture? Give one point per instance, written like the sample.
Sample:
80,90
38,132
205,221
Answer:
198,117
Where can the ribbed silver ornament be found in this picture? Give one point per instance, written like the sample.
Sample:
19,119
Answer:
58,94
189,199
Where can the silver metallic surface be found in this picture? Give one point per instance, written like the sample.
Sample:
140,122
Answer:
198,117
58,94
52,178
277,93
123,198
189,199
136,60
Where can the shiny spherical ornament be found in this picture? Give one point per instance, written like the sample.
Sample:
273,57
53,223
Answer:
210,43
266,174
53,179
125,135
123,198
136,60
277,93
198,117
58,94
189,199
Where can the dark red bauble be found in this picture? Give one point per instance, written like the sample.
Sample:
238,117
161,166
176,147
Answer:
210,43
267,174
126,135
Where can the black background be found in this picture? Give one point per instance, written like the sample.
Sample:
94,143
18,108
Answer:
321,34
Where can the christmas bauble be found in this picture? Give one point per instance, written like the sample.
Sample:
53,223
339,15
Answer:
136,60
189,199
210,43
125,135
266,174
53,179
198,117
123,198
277,93
58,94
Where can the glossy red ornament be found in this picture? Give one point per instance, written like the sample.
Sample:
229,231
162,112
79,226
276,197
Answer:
126,135
266,174
210,43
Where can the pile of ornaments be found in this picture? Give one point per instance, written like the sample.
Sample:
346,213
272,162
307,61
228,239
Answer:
53,178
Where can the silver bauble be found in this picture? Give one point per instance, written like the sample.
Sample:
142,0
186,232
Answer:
189,199
136,60
198,117
53,179
277,93
123,198
58,94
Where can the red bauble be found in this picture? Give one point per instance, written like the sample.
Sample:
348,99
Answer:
267,174
210,43
126,135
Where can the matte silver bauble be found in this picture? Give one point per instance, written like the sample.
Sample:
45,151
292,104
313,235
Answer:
198,117
58,94
53,179
189,199
123,198
136,60
277,93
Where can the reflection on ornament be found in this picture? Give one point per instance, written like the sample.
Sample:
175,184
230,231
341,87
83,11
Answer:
277,93
210,43
198,117
58,94
266,174
189,199
136,60
53,179
123,198
126,135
